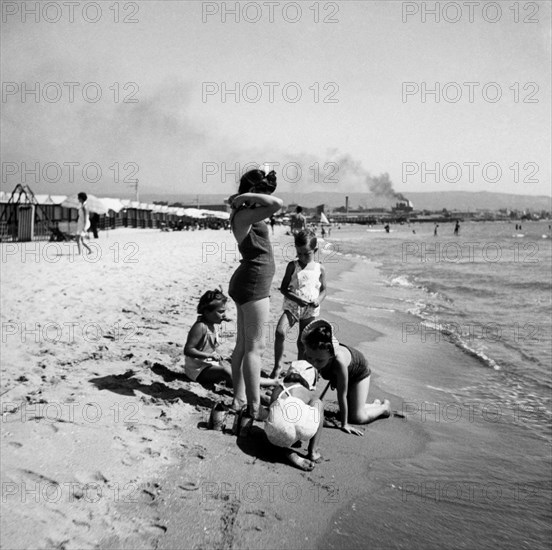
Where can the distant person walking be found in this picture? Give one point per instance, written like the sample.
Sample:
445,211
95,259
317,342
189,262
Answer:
435,230
83,223
94,223
298,221
457,228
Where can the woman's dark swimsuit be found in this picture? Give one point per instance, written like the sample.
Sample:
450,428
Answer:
358,368
253,278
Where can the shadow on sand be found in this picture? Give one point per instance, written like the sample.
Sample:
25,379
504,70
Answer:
126,384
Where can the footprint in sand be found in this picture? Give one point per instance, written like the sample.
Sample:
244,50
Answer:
155,529
148,496
198,451
35,477
189,486
15,444
82,524
149,451
85,477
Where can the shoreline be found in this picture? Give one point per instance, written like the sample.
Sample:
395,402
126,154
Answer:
164,480
147,457
421,488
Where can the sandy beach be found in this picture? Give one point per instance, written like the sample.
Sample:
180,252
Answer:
103,439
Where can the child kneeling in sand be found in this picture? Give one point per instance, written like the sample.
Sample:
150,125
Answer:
202,362
348,371
295,415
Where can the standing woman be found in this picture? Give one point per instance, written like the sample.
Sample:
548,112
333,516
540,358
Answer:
83,222
251,282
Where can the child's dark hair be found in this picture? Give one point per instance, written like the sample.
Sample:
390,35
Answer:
295,378
258,181
82,196
210,301
306,237
319,338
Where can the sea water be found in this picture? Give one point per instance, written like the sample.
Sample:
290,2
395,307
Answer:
487,292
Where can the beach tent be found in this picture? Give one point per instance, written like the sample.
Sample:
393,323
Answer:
93,203
191,213
57,199
23,217
115,205
218,214
43,199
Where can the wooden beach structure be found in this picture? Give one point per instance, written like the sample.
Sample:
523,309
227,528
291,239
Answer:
25,216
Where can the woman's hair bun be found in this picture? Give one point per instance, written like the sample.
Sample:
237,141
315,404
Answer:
258,181
271,176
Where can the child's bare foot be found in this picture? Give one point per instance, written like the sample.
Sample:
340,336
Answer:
300,462
315,457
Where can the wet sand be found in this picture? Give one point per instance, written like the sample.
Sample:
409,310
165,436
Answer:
103,439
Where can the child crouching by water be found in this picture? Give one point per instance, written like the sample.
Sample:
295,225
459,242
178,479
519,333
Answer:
202,362
348,371
295,415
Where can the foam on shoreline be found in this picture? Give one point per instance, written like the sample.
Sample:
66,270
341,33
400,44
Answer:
165,481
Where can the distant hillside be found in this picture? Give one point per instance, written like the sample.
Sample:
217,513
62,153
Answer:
451,200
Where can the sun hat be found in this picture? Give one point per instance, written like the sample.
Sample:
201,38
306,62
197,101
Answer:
305,370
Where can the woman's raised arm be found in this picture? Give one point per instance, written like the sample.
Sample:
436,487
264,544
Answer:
243,218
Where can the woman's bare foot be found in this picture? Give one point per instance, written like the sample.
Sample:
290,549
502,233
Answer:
300,462
275,372
237,405
261,414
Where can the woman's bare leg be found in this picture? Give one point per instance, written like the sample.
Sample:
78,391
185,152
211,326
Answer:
80,241
238,383
255,317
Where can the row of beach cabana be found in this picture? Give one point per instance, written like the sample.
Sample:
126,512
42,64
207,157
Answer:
60,212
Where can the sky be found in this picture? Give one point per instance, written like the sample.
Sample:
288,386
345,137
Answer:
345,96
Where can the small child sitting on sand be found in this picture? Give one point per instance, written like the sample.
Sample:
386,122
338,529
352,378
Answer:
295,415
202,362
348,371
